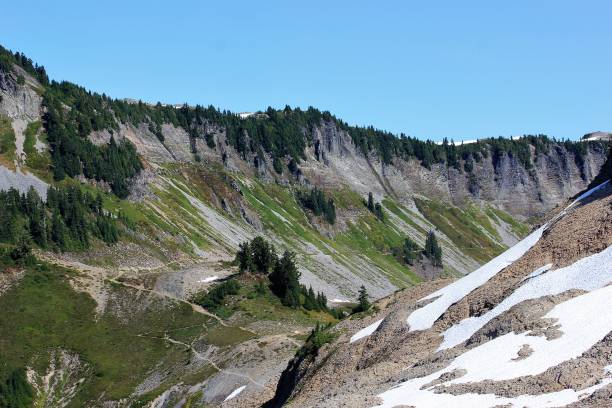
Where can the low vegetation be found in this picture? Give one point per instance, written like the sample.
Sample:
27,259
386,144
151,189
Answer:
7,141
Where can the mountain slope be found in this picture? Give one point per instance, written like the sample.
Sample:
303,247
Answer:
136,208
529,328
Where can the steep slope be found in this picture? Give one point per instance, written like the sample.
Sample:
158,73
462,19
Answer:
529,328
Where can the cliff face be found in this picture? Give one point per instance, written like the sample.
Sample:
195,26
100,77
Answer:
333,160
502,181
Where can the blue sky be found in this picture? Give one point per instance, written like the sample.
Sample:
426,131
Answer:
431,69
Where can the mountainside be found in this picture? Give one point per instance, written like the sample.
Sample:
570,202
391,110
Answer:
529,328
135,213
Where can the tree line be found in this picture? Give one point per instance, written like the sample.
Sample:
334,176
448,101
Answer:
66,221
282,133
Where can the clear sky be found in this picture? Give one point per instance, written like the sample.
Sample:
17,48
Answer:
460,69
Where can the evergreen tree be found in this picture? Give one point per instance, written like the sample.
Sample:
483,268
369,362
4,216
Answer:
263,255
433,250
370,204
316,202
15,391
257,256
244,258
285,280
410,251
362,300
378,212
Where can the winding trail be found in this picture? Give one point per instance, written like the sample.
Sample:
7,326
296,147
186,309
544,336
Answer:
208,360
99,273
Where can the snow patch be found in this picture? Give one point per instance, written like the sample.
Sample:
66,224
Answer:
234,393
591,191
366,331
588,273
209,279
424,318
583,325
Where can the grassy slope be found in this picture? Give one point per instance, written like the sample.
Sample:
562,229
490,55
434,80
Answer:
7,143
122,346
43,312
470,229
38,162
365,237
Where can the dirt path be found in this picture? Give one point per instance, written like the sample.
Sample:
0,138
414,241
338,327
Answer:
208,360
98,273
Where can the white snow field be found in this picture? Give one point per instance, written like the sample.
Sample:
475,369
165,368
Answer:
588,273
583,321
235,393
424,318
541,270
366,331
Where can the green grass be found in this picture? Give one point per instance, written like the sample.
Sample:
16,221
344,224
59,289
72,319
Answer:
227,335
462,228
518,228
402,215
366,236
43,313
7,142
251,305
39,162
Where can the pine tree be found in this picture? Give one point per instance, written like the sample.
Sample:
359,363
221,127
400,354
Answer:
263,255
362,299
410,251
16,392
244,258
285,280
370,202
378,212
433,250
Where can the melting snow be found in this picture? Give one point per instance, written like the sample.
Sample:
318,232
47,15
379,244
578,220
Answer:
209,279
583,322
588,273
424,318
366,331
235,393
